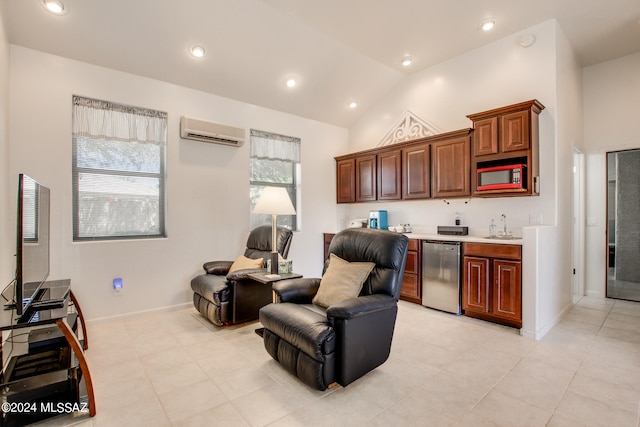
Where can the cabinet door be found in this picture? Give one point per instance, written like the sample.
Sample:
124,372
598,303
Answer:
389,177
485,137
507,290
411,289
327,237
366,178
416,176
451,167
346,181
475,288
515,131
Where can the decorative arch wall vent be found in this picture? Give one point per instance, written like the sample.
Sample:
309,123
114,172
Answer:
407,128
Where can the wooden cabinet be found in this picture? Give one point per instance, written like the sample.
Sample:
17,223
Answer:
450,165
366,178
506,136
436,166
389,175
476,284
411,283
492,283
514,131
446,165
416,172
346,181
327,237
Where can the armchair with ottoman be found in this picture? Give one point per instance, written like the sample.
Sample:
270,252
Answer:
225,295
339,327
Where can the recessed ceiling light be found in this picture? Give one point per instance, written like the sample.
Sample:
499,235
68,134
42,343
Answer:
353,104
197,51
406,61
55,6
291,82
488,24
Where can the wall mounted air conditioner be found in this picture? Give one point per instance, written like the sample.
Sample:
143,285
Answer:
199,130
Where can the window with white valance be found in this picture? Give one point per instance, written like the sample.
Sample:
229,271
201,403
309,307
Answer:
118,170
275,162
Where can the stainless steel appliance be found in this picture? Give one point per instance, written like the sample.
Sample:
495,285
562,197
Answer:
441,276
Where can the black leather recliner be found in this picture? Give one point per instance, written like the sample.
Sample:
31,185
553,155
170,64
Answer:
229,298
350,338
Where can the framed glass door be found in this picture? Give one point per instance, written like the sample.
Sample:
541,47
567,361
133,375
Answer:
623,225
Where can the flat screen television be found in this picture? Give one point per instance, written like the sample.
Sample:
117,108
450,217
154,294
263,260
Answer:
32,251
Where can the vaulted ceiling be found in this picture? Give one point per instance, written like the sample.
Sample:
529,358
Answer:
338,50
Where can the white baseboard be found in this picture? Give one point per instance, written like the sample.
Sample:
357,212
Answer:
539,334
141,313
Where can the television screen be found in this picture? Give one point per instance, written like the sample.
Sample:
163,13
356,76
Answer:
32,263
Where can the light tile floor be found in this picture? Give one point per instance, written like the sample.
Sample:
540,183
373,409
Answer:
176,369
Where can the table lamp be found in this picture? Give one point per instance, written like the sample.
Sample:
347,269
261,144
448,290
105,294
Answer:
274,201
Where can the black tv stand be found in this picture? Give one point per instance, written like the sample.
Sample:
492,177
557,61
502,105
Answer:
43,371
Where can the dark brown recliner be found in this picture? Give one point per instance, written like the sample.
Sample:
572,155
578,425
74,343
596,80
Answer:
349,338
229,298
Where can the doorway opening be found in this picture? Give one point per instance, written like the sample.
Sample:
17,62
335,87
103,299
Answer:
623,232
578,245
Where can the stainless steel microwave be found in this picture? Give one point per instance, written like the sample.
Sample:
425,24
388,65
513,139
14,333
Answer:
502,177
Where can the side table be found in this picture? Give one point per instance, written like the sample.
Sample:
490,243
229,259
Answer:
267,279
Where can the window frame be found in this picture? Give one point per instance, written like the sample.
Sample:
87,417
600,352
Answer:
160,176
293,189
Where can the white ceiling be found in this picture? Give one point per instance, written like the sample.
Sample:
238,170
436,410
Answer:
340,50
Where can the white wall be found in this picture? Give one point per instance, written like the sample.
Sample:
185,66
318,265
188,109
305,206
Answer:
7,241
611,92
207,184
493,76
555,296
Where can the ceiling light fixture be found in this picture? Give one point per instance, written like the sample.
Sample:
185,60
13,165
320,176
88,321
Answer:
488,24
197,51
406,61
54,6
353,104
291,82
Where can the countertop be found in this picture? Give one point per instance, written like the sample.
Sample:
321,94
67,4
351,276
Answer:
474,239
421,235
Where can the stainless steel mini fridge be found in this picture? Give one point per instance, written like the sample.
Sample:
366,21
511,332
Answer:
441,276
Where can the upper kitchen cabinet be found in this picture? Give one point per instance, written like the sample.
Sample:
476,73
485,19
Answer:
506,137
346,181
416,171
366,178
502,148
435,166
450,164
389,175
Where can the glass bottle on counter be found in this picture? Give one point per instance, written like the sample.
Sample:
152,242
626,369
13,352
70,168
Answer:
492,228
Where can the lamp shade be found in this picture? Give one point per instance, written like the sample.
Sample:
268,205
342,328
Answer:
274,201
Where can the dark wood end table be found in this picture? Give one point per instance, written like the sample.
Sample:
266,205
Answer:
268,278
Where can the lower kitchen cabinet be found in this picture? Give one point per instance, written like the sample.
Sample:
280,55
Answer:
327,237
411,284
492,283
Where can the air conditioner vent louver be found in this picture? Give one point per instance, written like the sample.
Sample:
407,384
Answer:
215,133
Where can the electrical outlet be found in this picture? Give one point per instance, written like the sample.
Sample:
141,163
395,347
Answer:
535,219
117,286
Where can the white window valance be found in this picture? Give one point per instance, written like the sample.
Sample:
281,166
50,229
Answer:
98,119
266,145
